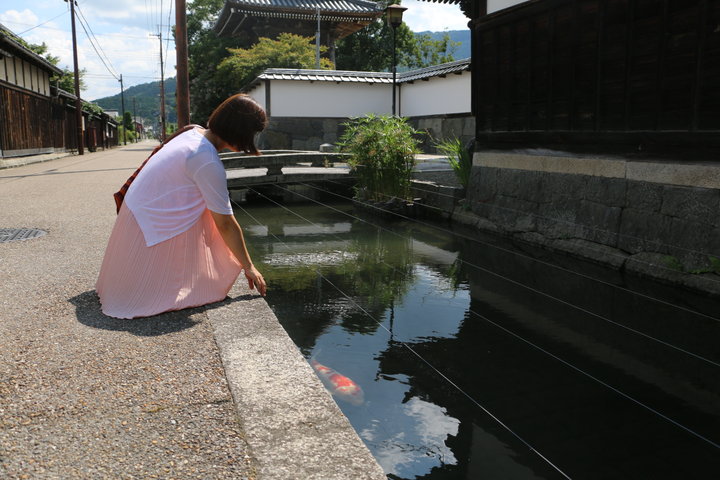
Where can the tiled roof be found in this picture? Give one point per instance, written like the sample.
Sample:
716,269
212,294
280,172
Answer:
342,11
344,6
435,71
343,76
325,75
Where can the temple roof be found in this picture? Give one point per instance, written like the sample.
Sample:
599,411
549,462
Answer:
234,12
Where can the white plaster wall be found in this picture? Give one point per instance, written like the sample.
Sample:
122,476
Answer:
495,5
328,99
436,96
258,94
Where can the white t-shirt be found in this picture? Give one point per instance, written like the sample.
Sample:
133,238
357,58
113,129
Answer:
175,187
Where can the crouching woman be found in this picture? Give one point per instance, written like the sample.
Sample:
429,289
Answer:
176,243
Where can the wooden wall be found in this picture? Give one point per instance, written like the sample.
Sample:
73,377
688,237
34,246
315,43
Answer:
599,74
28,122
31,123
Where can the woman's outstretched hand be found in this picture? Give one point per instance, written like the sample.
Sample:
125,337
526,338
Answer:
255,280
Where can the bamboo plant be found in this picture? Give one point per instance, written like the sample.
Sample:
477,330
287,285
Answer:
383,150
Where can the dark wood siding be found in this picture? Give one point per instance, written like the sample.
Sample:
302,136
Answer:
598,73
27,121
33,123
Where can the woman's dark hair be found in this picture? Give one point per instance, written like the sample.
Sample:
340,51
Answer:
237,120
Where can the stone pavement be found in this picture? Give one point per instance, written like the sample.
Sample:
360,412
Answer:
218,392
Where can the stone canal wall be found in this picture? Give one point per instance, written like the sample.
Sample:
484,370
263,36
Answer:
308,133
655,215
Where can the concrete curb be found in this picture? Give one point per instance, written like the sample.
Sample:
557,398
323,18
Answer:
690,174
12,162
294,428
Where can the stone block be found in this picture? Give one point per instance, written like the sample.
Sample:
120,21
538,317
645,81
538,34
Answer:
562,184
482,186
514,214
313,143
699,204
601,222
469,127
558,219
689,241
275,140
522,184
330,125
453,128
644,196
714,243
641,231
607,191
433,125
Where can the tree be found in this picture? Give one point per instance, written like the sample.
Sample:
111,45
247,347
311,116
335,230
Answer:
288,51
370,49
128,122
205,52
430,52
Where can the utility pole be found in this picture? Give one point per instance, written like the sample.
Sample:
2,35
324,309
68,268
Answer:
181,50
122,114
317,41
78,101
135,120
162,88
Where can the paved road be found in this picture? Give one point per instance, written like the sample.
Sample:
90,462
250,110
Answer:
81,395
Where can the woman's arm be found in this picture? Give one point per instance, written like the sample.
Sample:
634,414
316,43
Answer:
233,236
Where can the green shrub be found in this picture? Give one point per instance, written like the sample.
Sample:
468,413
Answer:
383,150
459,158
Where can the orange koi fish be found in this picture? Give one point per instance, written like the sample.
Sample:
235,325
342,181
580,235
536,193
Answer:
339,385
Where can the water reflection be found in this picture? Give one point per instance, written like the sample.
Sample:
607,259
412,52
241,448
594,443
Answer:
447,338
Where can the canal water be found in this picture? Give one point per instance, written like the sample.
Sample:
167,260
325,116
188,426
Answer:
460,356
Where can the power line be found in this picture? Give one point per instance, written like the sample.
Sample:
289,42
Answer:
84,23
528,287
41,24
10,22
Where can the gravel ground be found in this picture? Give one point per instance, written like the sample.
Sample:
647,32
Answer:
83,395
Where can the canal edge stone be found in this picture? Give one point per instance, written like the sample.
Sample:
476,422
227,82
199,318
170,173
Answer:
293,426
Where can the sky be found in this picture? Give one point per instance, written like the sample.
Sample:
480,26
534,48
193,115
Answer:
125,37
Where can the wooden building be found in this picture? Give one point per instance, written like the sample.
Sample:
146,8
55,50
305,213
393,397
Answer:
598,123
249,20
35,116
597,75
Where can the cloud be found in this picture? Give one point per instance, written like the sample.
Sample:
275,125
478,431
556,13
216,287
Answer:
435,17
121,31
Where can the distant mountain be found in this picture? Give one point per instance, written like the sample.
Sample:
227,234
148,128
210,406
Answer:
462,36
147,101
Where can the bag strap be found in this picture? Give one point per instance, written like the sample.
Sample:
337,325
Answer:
120,194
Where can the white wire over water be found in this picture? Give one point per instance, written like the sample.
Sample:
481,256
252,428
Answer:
519,254
519,337
534,290
442,375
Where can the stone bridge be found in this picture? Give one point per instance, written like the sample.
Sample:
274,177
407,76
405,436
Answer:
282,166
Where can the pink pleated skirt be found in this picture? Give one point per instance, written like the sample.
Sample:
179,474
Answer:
191,269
